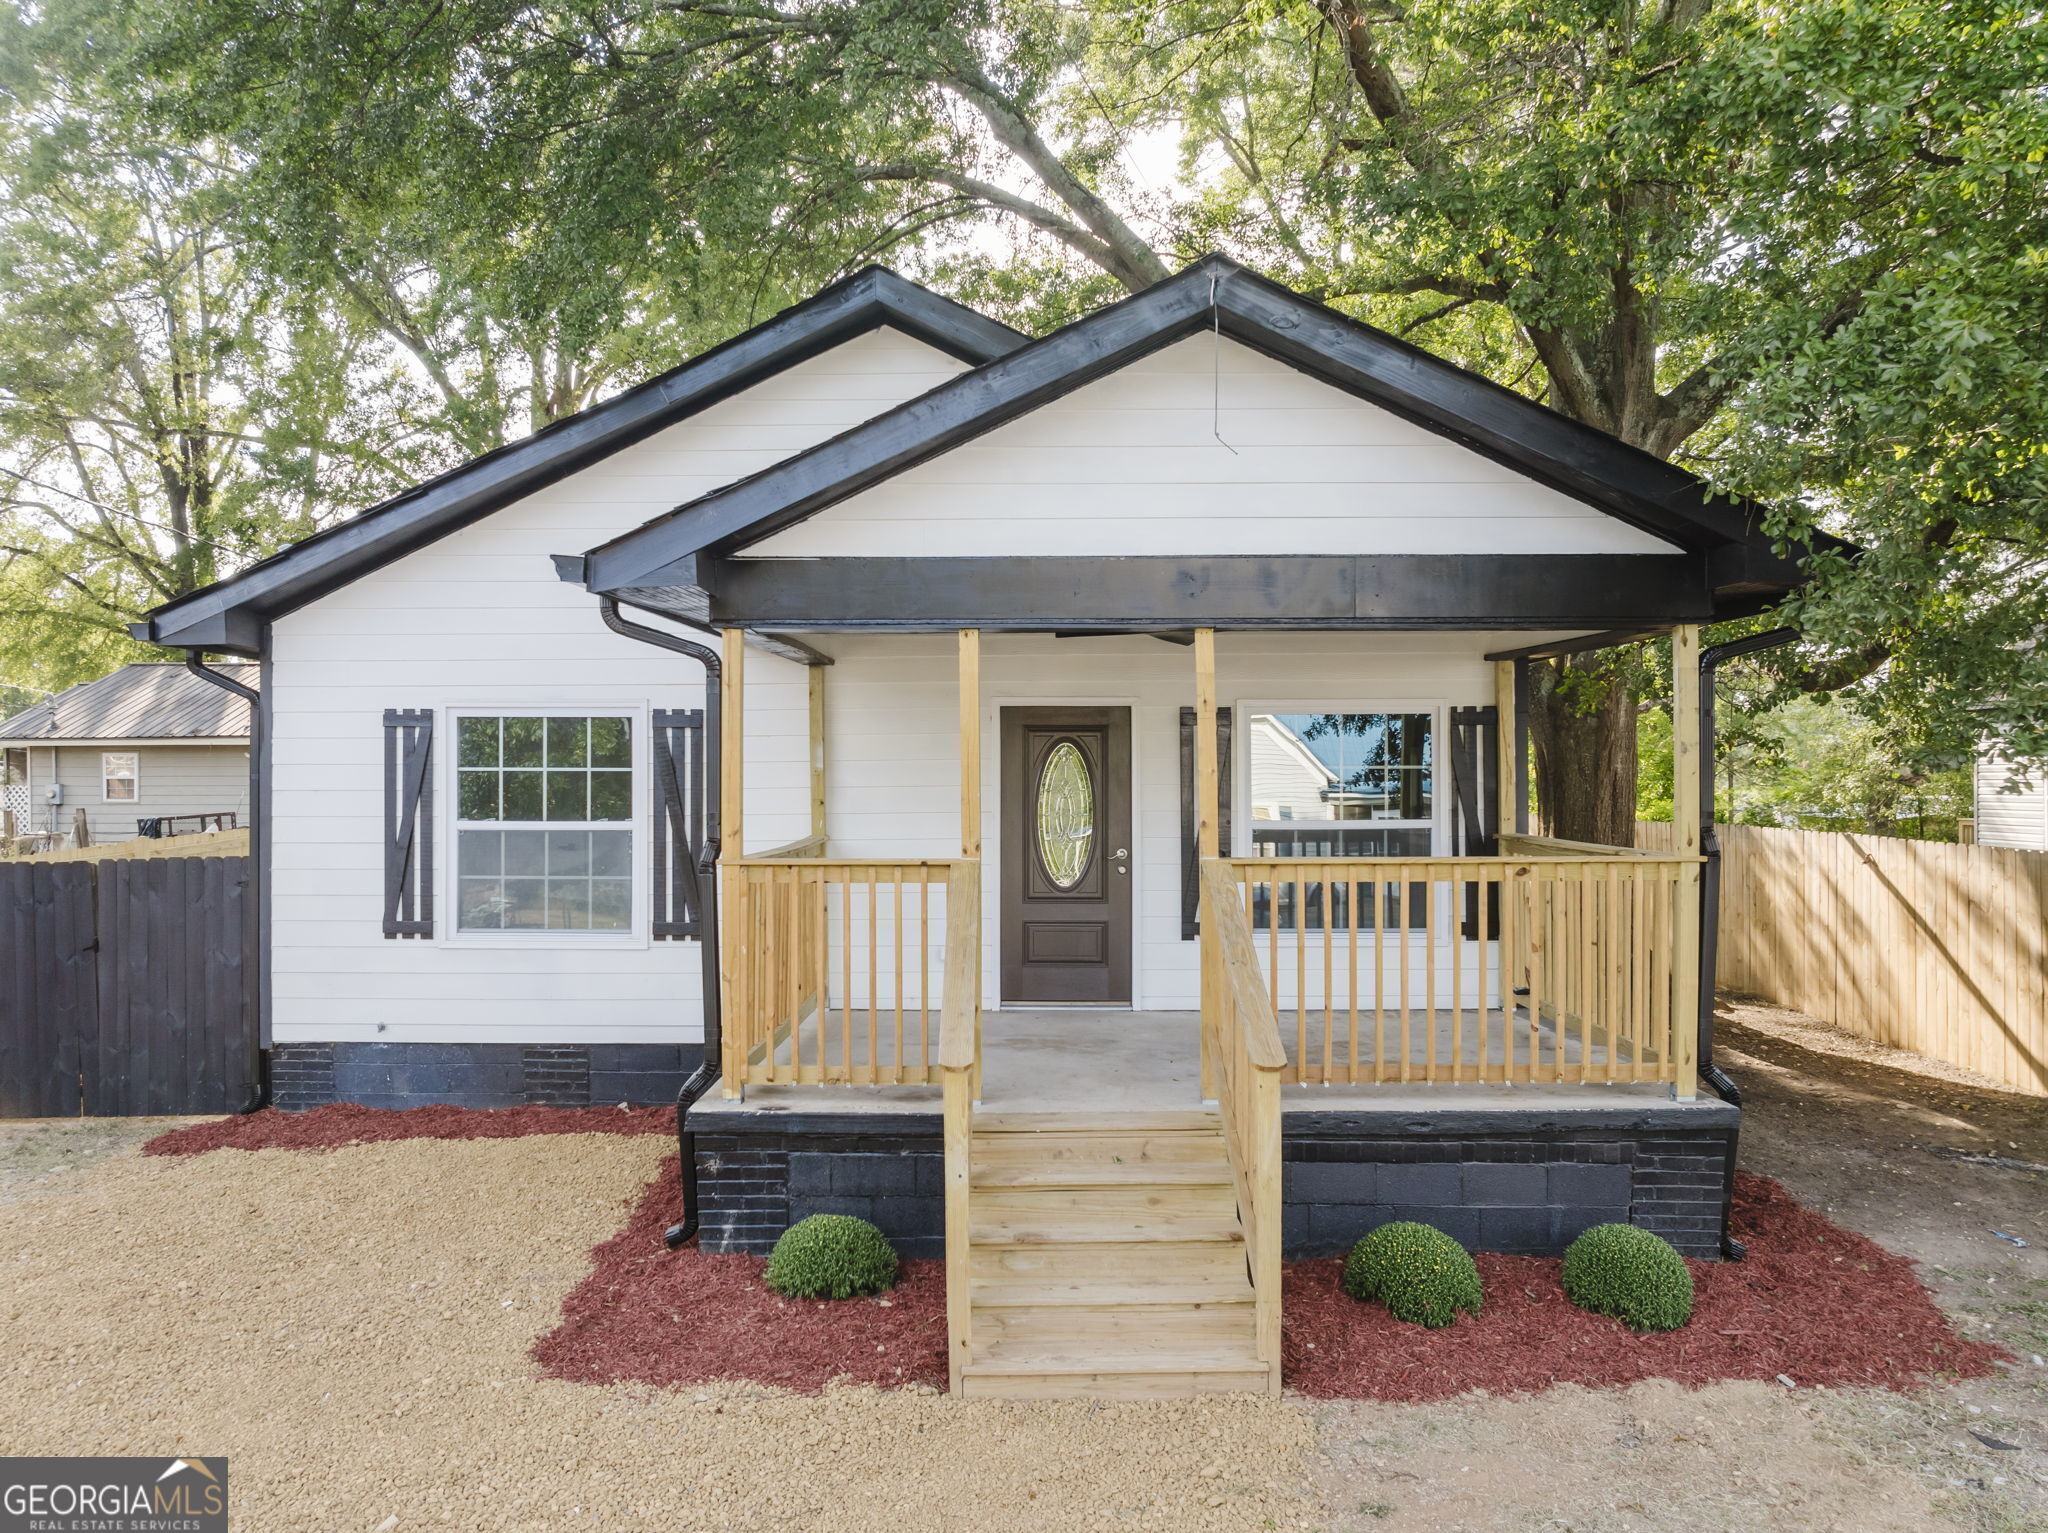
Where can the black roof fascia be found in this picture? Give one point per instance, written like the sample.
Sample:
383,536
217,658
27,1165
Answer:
1577,460
1048,593
230,615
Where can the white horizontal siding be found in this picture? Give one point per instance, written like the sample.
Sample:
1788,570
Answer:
893,755
1131,465
478,620
2015,818
1289,785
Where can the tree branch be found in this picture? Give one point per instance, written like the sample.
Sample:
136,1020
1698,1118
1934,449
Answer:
1130,259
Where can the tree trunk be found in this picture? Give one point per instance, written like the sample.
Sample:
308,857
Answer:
1582,725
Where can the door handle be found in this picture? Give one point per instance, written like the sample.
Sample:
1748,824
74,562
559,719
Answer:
1121,856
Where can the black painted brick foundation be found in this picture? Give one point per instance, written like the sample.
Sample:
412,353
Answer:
305,1075
1520,1182
1498,1186
758,1174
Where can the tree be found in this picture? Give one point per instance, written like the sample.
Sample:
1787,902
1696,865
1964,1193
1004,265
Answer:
164,417
1660,218
1668,205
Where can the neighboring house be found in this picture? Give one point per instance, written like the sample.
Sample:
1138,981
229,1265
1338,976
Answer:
975,603
2011,807
149,741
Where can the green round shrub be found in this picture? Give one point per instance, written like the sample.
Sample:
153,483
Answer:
1619,1270
831,1256
1419,1273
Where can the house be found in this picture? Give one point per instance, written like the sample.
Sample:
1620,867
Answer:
839,729
2011,806
150,748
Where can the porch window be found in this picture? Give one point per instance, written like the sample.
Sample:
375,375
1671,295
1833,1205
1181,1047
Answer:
544,809
120,777
1333,785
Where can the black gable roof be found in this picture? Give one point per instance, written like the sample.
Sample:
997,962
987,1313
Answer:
1587,464
230,615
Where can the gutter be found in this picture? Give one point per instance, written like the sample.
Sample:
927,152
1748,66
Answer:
1710,906
706,1072
259,836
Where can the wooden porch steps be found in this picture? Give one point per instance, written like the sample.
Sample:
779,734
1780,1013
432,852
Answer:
1106,1260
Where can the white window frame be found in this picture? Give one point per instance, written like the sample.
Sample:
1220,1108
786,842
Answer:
107,777
1241,826
448,827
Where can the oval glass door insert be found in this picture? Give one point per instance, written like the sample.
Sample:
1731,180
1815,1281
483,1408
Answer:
1066,814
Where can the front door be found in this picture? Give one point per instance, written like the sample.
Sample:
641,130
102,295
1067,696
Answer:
1066,786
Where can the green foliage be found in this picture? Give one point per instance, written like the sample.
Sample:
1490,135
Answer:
1799,248
831,1256
1619,1270
1807,763
1419,1273
167,412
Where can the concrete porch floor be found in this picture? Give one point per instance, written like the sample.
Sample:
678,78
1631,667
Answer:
1075,1059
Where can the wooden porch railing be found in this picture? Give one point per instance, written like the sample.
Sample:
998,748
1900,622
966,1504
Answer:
1530,969
960,1066
1243,1063
832,970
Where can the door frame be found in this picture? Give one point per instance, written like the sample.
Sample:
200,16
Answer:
992,840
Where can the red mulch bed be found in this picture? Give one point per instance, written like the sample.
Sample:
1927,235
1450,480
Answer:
650,1316
1815,1302
343,1123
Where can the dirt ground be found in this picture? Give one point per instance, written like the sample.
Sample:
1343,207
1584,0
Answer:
352,1329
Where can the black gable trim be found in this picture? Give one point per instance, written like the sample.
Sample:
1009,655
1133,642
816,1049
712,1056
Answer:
1592,467
230,615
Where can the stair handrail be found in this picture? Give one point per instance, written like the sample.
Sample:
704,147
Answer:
960,1073
1243,1060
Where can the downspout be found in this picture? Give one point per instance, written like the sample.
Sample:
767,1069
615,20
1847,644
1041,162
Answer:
258,841
706,1072
1710,906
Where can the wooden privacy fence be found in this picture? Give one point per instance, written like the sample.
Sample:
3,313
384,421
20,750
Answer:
1918,944
1572,968
833,970
122,988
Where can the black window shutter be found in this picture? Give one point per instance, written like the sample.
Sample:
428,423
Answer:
408,822
678,822
1190,871
1475,786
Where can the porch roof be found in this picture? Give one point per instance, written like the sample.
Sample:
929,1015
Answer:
690,562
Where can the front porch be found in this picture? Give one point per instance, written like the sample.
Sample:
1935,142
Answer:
1501,1041
1513,960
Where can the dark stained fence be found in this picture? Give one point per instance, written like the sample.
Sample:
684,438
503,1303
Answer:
122,988
49,985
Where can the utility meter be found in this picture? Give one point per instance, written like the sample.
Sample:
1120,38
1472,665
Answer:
54,793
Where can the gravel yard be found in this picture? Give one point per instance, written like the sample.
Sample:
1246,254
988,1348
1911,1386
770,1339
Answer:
354,1328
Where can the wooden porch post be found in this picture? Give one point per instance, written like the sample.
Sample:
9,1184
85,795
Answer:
732,734
970,797
1207,833
736,925
1685,840
817,684
970,742
1507,750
